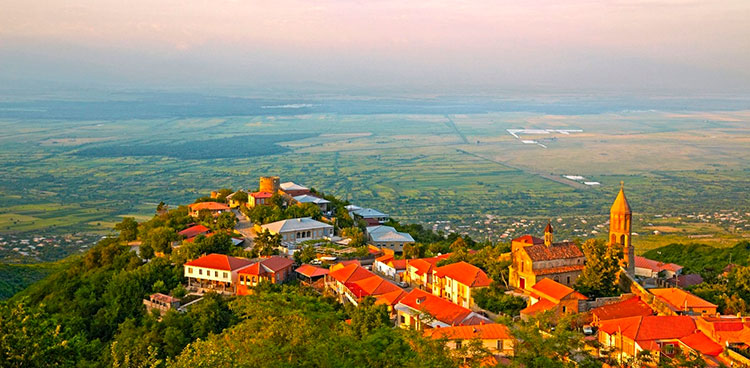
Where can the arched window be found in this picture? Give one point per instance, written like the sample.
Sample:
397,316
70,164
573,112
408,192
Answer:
614,239
622,239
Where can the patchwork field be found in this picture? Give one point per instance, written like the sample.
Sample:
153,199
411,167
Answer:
83,175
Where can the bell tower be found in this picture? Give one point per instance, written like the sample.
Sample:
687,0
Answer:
548,234
620,222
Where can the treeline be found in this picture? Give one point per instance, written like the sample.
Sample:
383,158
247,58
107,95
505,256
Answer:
727,287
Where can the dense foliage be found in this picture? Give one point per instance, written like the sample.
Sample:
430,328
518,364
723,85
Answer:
706,260
599,276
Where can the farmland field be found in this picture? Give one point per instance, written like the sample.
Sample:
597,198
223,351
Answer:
79,167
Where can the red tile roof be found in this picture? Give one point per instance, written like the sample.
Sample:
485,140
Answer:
627,308
542,305
490,331
647,328
399,264
190,240
384,259
555,291
465,273
689,280
440,309
268,265
163,298
373,285
216,261
259,195
680,299
422,266
350,261
701,343
194,231
350,273
541,252
211,206
561,269
390,298
311,271
655,266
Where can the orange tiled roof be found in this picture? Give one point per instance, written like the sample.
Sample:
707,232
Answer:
561,269
555,291
541,252
390,298
627,308
655,266
399,264
726,329
680,299
211,206
489,331
540,306
373,285
646,328
439,308
465,273
701,343
258,195
194,231
528,239
271,264
311,271
216,261
384,259
350,273
421,265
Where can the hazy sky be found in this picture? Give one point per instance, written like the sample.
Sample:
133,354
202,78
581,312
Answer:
608,45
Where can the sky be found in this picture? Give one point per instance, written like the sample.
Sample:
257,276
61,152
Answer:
442,46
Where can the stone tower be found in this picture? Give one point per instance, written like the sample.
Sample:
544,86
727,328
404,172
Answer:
548,234
620,222
269,184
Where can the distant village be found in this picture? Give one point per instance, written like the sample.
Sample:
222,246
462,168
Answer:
438,296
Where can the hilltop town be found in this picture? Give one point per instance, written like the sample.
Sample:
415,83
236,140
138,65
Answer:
627,310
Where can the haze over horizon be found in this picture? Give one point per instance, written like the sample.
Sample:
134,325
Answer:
445,46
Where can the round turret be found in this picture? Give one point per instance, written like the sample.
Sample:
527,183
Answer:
269,184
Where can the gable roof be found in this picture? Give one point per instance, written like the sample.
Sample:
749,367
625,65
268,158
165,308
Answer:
465,273
555,291
306,198
627,308
541,252
382,233
646,328
699,342
258,195
350,273
680,299
655,266
298,224
528,239
217,261
384,258
311,271
292,186
211,206
440,309
369,213
194,231
373,285
489,331
390,298
540,306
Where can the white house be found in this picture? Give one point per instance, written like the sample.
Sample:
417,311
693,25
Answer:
215,271
649,268
387,237
306,198
299,229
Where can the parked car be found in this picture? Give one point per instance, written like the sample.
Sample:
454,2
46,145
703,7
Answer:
588,330
403,284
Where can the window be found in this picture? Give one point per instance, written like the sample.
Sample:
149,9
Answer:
458,344
190,270
403,319
568,280
216,273
669,349
499,344
565,309
225,275
200,272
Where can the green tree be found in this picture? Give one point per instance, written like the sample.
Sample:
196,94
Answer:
128,229
495,300
226,221
266,243
306,254
599,276
356,234
160,239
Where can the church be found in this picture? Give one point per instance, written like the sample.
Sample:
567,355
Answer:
534,259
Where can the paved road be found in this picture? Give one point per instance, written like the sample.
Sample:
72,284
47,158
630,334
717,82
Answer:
244,227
